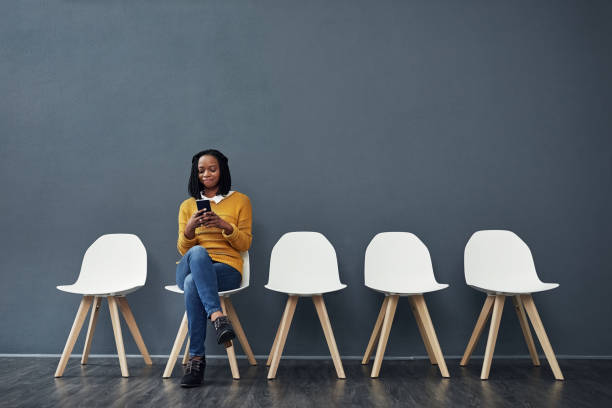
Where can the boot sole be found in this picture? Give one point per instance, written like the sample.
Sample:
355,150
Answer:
226,336
191,385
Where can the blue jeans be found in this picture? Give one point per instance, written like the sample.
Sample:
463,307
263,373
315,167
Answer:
202,279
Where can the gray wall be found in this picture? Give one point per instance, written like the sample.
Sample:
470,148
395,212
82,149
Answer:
344,117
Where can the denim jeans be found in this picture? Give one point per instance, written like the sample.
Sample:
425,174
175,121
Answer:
202,279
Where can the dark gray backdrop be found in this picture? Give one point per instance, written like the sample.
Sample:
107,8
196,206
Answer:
344,117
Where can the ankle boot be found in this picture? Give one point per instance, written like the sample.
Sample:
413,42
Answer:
194,373
224,329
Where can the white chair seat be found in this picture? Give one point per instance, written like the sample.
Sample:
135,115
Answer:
412,290
304,290
498,261
173,288
103,289
114,265
399,263
304,263
176,289
517,288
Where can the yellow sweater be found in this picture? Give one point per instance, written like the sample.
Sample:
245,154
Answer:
236,210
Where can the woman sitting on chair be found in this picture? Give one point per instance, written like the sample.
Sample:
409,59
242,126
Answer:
210,242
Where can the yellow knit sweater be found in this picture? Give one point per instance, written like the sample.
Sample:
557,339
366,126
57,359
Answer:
236,210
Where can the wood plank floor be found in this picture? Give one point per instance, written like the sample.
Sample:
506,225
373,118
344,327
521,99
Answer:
29,382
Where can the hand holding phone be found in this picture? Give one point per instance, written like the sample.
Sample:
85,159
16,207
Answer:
197,219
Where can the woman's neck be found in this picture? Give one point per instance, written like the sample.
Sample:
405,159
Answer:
210,193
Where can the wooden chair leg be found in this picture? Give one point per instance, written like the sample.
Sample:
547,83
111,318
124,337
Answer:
114,313
487,308
329,334
422,331
186,352
244,343
131,322
79,319
375,333
95,309
176,348
285,324
498,308
421,307
520,312
229,347
384,334
538,327
269,361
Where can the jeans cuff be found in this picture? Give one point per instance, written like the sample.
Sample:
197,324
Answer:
218,309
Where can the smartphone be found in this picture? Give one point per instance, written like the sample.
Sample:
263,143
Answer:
203,204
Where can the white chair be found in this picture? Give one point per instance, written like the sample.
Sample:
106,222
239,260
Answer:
230,312
398,264
303,264
113,266
500,264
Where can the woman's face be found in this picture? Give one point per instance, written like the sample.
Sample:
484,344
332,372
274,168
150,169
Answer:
208,171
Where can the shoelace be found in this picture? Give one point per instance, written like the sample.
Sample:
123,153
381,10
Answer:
193,364
219,321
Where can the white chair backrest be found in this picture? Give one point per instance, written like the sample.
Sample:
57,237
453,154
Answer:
118,258
397,259
246,270
303,261
498,258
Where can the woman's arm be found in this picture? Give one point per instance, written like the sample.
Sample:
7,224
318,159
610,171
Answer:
240,238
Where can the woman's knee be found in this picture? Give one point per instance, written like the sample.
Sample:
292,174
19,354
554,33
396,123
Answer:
189,285
197,253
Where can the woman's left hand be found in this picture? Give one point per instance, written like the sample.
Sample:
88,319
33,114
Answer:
213,220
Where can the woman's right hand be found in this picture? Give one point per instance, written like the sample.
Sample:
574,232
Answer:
196,220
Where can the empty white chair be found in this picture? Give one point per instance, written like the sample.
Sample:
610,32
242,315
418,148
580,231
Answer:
398,264
113,266
230,312
303,264
500,264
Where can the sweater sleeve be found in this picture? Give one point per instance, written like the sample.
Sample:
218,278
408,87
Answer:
183,244
240,238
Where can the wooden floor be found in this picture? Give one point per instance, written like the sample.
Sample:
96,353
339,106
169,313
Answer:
29,382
